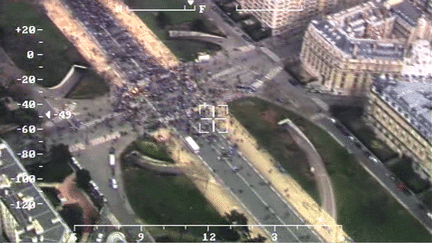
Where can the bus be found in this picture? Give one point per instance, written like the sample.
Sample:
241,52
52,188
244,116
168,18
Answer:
192,144
112,159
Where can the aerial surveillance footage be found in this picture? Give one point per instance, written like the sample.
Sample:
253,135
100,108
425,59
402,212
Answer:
215,121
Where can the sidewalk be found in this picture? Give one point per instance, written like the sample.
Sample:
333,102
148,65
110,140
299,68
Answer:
325,187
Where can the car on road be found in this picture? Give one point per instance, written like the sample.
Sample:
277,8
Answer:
280,100
294,81
99,237
402,187
332,119
373,159
342,129
358,145
76,164
235,168
113,183
112,150
94,185
246,38
367,153
429,214
112,160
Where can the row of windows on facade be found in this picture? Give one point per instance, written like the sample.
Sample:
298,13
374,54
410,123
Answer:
402,112
397,142
319,63
410,138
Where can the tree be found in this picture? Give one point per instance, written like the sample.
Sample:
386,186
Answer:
259,238
60,154
83,178
198,25
58,166
234,217
25,116
73,215
162,20
230,235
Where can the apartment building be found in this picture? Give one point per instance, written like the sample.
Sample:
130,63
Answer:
287,15
347,49
401,114
26,215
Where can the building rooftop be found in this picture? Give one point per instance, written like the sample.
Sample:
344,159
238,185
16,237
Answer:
42,223
412,100
366,48
420,61
407,12
362,31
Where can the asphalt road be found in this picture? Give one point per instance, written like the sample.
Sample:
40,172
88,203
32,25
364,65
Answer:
255,193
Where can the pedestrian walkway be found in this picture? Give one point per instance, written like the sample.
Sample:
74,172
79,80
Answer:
325,187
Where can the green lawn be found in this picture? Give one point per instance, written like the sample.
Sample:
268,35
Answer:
149,148
175,17
366,211
91,86
183,49
59,53
170,200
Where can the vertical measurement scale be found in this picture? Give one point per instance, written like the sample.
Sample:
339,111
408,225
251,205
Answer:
210,232
31,55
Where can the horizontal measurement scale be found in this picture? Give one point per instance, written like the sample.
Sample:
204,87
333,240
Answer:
184,9
211,232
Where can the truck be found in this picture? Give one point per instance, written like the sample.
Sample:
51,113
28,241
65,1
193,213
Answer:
192,144
112,159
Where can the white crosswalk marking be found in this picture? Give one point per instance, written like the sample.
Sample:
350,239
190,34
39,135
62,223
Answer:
273,72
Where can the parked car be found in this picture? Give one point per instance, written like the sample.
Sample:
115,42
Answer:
373,159
113,183
367,153
99,237
358,145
